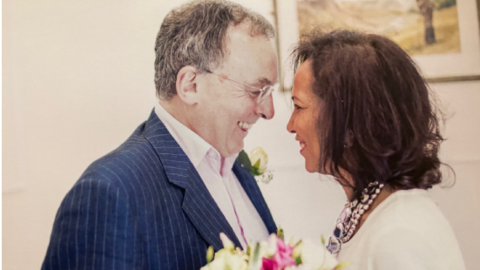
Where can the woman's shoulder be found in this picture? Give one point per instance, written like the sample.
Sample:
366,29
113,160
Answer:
410,227
406,231
409,210
409,248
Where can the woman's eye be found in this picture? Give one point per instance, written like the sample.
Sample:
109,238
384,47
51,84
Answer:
297,107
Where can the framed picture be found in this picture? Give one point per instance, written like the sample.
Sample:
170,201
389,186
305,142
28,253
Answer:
442,36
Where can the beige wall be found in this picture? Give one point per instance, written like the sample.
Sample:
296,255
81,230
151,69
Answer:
78,79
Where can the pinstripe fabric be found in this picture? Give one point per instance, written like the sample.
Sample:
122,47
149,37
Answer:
143,206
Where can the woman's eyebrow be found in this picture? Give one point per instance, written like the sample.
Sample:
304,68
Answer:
295,98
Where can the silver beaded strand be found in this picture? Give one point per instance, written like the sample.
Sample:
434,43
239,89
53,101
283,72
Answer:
349,217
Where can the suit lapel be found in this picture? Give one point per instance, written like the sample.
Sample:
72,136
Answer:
198,204
253,191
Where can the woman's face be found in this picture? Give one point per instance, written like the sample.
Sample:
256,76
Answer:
303,122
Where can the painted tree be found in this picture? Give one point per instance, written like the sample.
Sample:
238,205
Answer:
426,8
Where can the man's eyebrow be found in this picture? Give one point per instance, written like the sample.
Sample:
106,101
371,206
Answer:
263,81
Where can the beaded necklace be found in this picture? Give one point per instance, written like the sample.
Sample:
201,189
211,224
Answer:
350,216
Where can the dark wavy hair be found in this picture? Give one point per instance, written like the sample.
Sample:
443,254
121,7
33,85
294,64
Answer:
379,121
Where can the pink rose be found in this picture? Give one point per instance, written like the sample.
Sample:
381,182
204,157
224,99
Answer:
281,259
269,264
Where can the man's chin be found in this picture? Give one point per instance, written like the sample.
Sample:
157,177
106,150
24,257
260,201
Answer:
235,150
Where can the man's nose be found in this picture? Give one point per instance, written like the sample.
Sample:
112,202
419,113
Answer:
265,108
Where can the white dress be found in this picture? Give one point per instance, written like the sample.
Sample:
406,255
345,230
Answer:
406,231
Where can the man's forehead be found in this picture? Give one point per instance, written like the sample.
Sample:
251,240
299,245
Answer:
245,54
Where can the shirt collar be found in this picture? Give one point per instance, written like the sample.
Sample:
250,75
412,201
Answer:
194,146
228,164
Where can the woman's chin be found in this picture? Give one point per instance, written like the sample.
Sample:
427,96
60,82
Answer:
310,168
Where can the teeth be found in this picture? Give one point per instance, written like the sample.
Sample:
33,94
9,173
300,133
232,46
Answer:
244,125
302,145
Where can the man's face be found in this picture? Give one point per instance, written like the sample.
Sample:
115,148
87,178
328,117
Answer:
227,109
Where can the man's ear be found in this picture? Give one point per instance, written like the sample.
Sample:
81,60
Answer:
186,84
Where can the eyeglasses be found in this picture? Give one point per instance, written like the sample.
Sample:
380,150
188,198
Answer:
260,93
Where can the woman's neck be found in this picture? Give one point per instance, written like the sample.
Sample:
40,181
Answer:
384,193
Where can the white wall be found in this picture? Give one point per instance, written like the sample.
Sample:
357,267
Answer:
78,79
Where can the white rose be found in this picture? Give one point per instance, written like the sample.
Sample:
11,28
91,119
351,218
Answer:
226,260
217,264
317,256
272,245
299,267
259,159
227,243
235,262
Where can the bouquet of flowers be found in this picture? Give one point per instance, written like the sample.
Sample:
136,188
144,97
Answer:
274,254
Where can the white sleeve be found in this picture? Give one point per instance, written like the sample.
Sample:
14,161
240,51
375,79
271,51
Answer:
407,249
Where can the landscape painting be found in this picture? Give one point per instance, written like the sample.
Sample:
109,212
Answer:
421,27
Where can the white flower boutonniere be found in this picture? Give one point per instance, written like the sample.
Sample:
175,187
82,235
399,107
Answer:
256,164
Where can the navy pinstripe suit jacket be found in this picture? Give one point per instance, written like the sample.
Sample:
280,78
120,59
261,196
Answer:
143,206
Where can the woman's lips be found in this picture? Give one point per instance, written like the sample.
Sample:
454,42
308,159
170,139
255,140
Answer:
302,146
302,143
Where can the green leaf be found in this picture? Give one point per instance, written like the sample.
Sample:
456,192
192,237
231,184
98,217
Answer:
210,254
244,160
280,233
298,260
255,260
322,239
254,171
255,168
297,251
257,164
257,252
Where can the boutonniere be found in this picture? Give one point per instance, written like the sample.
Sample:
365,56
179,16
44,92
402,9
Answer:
256,164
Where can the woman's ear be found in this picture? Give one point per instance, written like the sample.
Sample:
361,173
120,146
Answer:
186,85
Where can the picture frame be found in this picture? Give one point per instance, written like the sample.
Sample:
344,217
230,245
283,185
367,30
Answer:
448,67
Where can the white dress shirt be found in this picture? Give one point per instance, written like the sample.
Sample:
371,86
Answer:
220,180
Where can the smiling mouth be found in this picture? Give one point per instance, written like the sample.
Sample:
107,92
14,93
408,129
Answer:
302,146
244,126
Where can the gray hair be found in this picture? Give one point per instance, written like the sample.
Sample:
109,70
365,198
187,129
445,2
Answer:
194,34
